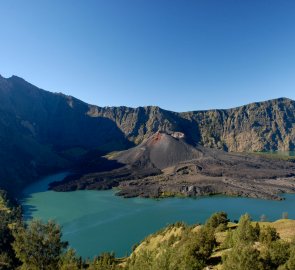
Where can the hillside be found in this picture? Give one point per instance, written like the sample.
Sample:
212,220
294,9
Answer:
218,245
42,132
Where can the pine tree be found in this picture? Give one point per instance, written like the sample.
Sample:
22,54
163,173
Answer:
38,245
242,257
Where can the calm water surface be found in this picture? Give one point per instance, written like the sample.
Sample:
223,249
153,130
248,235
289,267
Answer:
97,221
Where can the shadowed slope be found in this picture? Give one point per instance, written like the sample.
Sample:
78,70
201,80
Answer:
42,132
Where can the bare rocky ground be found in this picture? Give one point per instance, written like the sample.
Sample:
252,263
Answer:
166,165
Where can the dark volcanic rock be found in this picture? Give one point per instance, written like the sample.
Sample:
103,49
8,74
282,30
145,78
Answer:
167,166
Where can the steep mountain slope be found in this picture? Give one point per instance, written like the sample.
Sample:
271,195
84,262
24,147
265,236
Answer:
42,131
259,126
268,125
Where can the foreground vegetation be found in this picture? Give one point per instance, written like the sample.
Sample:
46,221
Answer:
218,244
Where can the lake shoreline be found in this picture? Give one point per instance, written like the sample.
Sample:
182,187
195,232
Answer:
92,220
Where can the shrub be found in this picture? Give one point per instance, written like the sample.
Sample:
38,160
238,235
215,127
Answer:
218,221
245,233
38,246
275,254
69,261
105,261
290,264
268,234
242,257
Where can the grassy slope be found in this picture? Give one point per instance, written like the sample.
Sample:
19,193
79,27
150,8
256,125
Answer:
285,228
271,155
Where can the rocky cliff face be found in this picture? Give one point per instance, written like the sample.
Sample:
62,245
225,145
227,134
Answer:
42,131
268,125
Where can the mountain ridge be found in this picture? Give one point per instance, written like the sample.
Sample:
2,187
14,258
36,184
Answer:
41,131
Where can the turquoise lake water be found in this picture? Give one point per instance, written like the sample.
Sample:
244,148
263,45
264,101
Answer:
97,221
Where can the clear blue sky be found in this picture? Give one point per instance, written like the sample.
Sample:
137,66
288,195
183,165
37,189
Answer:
180,55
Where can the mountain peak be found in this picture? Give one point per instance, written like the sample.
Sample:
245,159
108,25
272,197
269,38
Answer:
284,99
15,78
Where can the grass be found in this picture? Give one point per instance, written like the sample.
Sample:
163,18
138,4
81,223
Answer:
154,241
112,155
274,155
285,228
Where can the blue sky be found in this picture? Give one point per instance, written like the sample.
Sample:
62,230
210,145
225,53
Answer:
179,55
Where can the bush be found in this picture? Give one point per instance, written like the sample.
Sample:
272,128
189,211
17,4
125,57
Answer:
191,251
268,234
242,257
218,221
290,264
10,215
245,233
105,261
69,261
275,254
38,246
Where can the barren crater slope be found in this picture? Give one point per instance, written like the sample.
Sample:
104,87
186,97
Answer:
166,165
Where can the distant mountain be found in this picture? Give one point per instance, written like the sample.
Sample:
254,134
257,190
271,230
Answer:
259,126
41,132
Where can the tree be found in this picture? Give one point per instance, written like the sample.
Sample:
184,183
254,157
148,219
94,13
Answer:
69,261
191,251
38,245
275,254
195,249
6,253
6,262
10,215
290,264
218,221
245,232
142,260
242,257
205,242
105,261
268,234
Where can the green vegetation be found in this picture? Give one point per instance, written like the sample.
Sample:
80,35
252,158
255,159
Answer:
10,215
38,246
218,221
218,244
275,155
